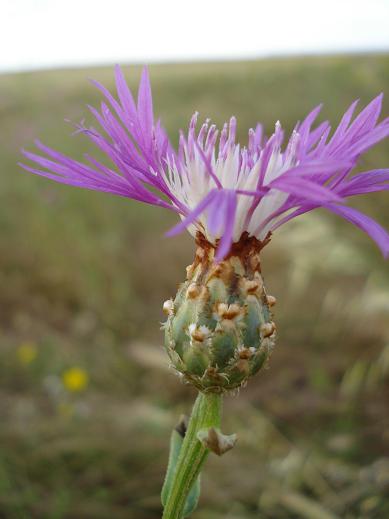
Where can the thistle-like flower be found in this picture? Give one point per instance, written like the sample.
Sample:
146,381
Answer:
231,199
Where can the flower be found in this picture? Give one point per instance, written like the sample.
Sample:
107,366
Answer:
75,379
27,352
220,189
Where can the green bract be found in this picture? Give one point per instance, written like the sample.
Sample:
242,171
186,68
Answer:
219,330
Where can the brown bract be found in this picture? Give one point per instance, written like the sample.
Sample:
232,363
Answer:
247,250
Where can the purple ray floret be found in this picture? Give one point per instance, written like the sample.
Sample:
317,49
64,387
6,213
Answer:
218,187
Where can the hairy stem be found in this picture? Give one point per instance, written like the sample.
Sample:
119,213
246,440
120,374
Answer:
206,413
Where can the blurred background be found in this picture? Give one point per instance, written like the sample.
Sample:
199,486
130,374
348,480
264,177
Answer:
87,401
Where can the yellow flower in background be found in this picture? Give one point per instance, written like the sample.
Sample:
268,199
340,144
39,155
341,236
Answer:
27,353
75,379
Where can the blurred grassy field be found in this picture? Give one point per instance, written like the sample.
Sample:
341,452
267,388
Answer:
83,277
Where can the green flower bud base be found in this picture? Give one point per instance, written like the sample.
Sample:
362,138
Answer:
219,330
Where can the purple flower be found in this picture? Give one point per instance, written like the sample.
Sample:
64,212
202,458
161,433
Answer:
217,187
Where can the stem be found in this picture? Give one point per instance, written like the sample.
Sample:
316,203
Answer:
206,413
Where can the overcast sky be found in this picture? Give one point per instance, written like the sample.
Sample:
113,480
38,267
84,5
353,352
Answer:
53,33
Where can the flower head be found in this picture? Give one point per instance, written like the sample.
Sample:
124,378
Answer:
27,353
219,188
75,379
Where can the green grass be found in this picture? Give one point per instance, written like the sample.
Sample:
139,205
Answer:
83,277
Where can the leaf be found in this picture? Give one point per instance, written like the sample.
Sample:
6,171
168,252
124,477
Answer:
217,442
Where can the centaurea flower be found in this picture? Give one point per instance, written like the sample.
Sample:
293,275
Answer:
219,330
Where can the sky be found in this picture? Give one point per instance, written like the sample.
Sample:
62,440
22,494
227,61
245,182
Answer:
37,34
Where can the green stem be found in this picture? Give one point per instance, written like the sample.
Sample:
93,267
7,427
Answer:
206,413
